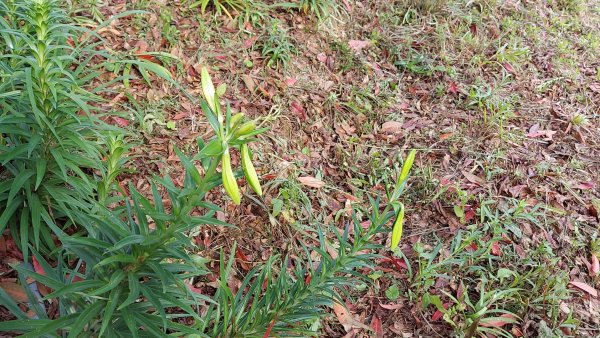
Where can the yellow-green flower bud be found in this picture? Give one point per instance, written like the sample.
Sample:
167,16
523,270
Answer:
249,170
229,181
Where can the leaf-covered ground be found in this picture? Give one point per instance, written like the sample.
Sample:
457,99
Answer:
501,99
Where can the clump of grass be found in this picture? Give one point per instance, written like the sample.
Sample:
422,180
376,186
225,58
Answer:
424,6
277,46
322,9
571,6
248,10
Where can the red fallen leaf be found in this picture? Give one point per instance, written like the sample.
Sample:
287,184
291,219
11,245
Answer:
520,251
37,267
307,279
496,251
445,182
595,266
376,326
269,177
516,332
585,185
120,122
298,110
242,259
472,247
290,81
585,287
148,58
322,57
548,134
221,57
473,28
508,68
347,5
391,306
499,323
469,214
452,87
250,42
194,289
438,314
268,331
398,263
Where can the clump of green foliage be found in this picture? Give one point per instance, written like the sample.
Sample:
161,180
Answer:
50,136
277,46
322,9
246,10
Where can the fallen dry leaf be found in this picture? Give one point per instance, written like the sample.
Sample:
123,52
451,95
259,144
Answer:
376,326
312,182
391,306
298,110
391,127
496,251
510,318
346,319
585,287
595,266
249,82
438,314
548,134
290,81
452,87
358,45
473,178
585,185
15,291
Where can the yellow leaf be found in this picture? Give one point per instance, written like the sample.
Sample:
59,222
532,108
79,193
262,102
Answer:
407,166
397,228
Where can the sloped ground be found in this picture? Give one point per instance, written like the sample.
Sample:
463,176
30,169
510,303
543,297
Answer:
500,98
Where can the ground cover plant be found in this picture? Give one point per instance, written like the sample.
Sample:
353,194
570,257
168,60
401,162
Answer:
499,233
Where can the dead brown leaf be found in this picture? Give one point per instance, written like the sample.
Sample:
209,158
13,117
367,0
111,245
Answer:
473,178
358,45
345,318
15,291
595,266
249,82
391,306
585,287
376,326
392,127
312,182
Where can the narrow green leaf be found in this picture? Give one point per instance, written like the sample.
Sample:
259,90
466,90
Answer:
85,317
40,169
